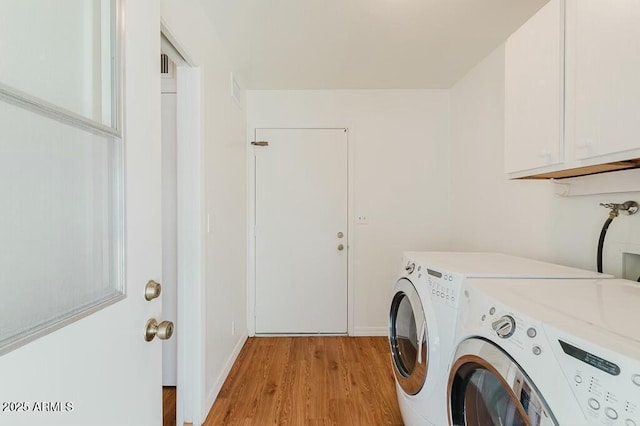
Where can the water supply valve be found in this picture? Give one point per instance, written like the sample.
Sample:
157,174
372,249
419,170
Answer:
628,208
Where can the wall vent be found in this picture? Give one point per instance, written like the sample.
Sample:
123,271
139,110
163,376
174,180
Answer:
164,64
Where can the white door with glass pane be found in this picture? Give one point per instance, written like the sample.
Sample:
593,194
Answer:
80,216
301,231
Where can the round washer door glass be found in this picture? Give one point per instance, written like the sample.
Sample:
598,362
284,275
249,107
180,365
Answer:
408,337
487,388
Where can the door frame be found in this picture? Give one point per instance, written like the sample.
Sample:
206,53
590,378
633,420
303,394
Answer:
251,215
190,389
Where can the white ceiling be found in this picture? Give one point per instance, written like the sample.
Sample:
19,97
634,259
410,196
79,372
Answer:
362,44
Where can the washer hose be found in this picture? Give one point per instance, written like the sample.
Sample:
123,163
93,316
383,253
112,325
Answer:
629,208
603,234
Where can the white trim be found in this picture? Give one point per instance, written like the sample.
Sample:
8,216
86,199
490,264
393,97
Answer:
191,248
602,183
179,48
167,48
351,242
370,331
50,110
212,394
251,237
251,209
191,370
259,335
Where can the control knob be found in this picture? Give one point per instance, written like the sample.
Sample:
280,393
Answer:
504,326
410,267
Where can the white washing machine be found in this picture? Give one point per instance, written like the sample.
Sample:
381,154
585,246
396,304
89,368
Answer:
422,320
547,352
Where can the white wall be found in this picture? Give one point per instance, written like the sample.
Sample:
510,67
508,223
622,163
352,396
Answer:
518,217
401,176
224,166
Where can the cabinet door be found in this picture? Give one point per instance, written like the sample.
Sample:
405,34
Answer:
605,70
534,91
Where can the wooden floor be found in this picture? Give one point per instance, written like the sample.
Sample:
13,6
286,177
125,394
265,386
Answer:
169,406
309,381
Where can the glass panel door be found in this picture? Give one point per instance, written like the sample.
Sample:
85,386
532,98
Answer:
73,68
61,224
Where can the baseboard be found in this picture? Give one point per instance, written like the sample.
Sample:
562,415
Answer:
215,389
370,331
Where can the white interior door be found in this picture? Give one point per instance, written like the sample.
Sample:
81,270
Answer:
97,370
301,231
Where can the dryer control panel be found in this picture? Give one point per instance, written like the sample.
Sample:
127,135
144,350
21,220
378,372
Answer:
606,384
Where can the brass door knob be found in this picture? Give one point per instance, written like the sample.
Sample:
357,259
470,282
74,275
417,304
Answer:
152,290
164,330
340,247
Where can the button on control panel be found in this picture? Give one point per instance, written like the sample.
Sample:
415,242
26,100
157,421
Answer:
611,413
444,288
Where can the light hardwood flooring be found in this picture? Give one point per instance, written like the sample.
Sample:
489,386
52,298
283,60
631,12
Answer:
309,381
169,406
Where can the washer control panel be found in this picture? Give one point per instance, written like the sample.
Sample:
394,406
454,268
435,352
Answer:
517,331
606,384
444,287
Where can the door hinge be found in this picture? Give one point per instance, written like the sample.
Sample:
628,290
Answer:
260,143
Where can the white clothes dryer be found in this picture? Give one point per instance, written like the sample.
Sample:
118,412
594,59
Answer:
422,321
547,352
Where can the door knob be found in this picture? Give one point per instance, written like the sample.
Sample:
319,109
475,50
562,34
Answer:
340,247
164,330
152,290
340,235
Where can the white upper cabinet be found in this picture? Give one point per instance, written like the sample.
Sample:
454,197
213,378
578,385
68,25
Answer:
572,90
604,76
534,92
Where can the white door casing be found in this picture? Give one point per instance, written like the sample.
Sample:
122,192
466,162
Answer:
191,404
101,365
169,234
300,208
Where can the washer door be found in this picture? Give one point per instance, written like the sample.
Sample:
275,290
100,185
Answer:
487,387
408,337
